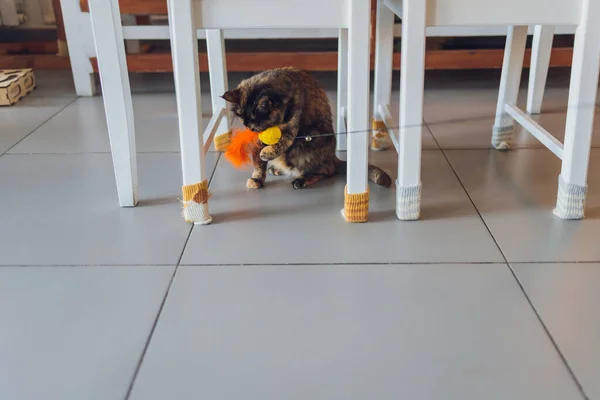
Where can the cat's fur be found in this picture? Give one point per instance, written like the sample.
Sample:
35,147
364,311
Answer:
294,101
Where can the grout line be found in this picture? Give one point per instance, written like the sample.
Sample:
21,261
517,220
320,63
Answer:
39,126
156,319
339,264
164,301
554,343
515,277
466,192
391,263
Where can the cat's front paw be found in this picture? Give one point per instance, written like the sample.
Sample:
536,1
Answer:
268,153
254,183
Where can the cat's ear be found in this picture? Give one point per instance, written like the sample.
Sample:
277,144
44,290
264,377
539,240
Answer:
233,96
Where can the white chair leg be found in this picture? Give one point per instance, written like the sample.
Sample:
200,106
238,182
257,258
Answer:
342,90
75,22
512,67
408,186
572,182
184,49
217,70
384,52
356,196
541,50
116,92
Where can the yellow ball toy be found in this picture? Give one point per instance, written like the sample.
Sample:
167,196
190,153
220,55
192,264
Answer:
270,136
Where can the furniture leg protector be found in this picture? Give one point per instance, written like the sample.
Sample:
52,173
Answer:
356,206
195,203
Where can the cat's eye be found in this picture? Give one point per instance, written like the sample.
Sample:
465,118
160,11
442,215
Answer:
264,107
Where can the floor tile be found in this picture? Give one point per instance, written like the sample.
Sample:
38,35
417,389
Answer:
567,296
21,119
350,332
516,192
63,210
462,116
81,127
54,83
278,224
72,333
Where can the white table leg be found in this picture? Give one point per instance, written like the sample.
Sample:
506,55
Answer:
342,90
572,183
116,92
512,67
356,196
541,50
217,70
184,48
384,52
75,24
408,186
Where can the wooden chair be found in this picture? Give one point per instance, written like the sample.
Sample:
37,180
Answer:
417,15
352,17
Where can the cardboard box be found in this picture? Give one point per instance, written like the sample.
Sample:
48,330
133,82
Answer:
15,84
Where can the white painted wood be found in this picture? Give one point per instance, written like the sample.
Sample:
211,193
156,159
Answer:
411,93
116,94
385,115
217,65
342,90
155,32
184,48
79,39
541,50
495,30
536,130
213,127
582,96
508,12
231,14
358,95
384,49
512,67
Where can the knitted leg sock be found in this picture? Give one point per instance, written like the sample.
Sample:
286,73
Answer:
380,139
502,137
408,202
570,203
195,203
222,141
356,206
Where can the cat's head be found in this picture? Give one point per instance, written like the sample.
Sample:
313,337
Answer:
258,108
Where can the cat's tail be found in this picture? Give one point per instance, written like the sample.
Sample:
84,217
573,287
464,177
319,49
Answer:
376,174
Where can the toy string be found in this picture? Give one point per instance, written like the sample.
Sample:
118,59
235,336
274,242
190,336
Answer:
350,132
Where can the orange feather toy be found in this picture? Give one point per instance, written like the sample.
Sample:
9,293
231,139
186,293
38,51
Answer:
242,143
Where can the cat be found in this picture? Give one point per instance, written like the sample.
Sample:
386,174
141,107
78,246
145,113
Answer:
293,100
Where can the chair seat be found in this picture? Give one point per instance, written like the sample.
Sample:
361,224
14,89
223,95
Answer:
448,13
234,14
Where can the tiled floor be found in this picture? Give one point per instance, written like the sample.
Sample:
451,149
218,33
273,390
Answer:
488,296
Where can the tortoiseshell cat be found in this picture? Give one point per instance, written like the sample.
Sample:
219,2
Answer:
294,101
